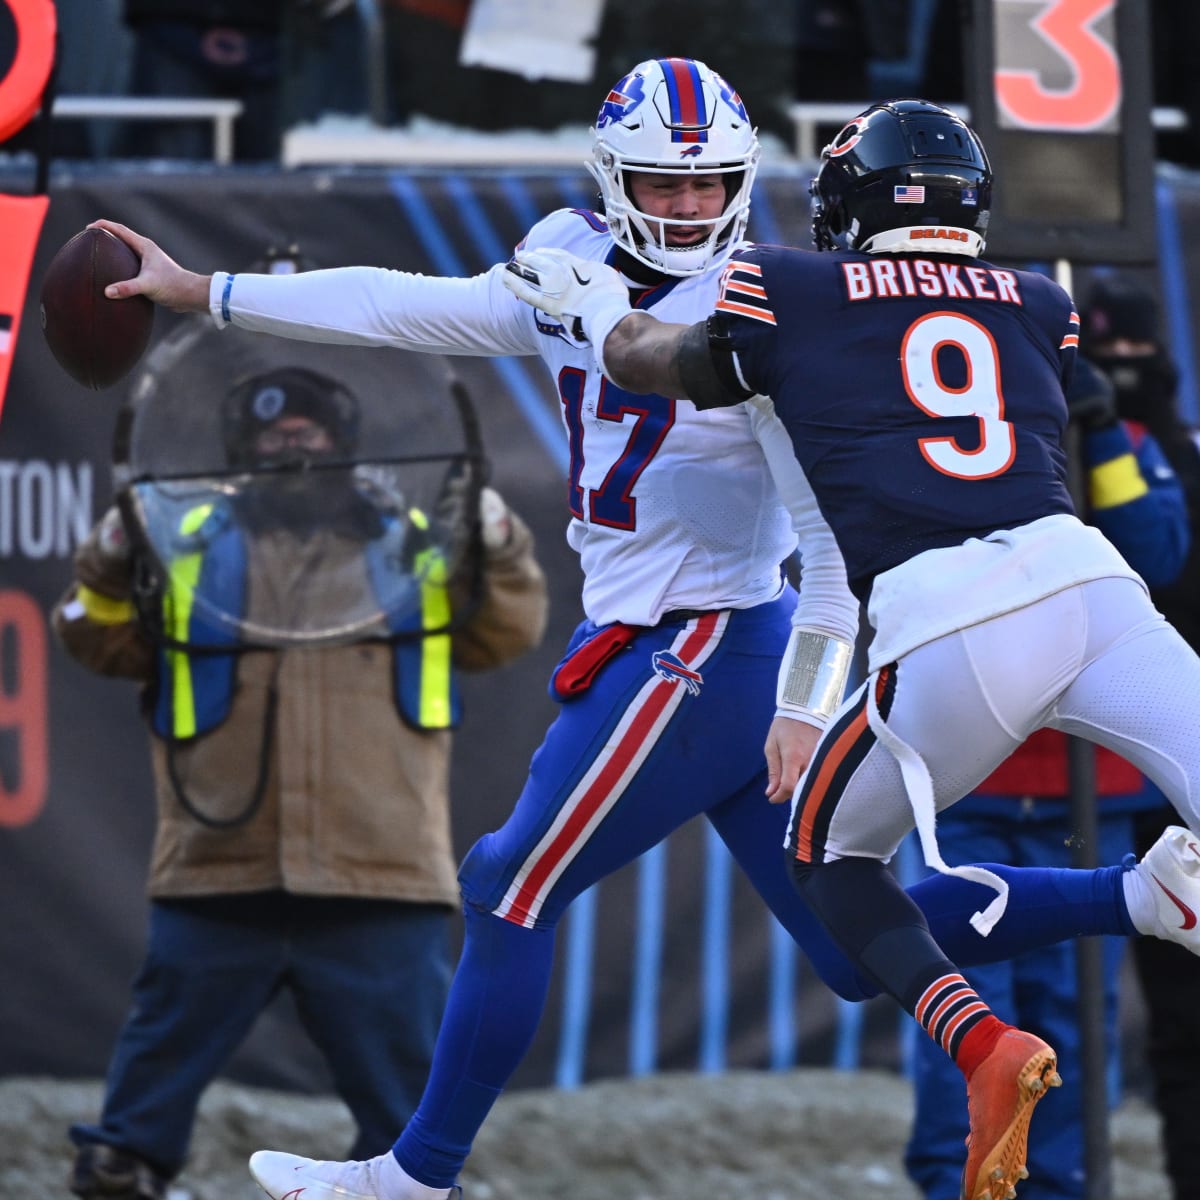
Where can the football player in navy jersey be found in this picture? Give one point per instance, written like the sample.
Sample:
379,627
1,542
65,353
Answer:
686,617
923,391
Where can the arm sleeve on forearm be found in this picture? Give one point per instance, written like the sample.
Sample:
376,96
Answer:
370,306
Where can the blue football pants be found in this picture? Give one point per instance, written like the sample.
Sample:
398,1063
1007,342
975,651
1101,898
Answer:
672,728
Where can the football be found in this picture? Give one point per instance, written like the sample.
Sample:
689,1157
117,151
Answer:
95,340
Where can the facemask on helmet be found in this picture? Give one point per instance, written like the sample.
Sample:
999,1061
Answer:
904,175
674,115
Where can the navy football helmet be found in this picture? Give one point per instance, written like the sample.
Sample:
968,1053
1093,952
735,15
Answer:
903,175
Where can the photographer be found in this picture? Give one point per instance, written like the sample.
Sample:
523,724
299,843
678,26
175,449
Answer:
303,837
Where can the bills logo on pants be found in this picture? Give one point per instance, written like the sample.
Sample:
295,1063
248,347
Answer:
672,667
634,730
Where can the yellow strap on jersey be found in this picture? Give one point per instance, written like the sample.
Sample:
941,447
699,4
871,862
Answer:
1116,482
178,599
104,610
430,567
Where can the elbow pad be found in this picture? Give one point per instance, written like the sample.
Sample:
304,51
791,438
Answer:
706,367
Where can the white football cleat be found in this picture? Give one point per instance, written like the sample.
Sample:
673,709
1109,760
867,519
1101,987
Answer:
291,1177
1171,870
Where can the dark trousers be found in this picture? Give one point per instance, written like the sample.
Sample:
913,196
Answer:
167,63
369,978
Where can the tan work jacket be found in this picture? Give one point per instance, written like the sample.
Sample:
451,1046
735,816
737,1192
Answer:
356,801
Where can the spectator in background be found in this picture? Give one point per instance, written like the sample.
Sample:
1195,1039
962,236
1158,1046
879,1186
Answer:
1021,815
322,864
424,37
324,61
93,60
230,49
1121,332
853,50
831,51
1175,33
758,49
425,78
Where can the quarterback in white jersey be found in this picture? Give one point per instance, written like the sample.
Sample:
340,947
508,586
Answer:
670,507
668,688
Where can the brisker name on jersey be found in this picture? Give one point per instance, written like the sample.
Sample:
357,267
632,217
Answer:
884,278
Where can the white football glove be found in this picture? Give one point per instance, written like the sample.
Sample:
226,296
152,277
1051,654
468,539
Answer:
495,525
112,540
589,297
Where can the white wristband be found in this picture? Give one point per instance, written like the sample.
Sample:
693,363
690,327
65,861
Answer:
812,676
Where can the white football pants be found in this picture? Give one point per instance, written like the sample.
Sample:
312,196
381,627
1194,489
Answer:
1096,660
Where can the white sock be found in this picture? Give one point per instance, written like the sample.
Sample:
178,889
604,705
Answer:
1143,911
397,1184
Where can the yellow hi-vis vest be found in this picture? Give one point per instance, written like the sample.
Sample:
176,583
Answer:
195,686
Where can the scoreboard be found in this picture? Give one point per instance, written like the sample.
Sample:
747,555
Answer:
1060,93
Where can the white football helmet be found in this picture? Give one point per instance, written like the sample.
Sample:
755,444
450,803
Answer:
674,114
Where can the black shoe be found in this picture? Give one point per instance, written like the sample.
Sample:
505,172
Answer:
104,1173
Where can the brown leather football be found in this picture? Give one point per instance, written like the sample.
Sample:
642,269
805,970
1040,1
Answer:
95,340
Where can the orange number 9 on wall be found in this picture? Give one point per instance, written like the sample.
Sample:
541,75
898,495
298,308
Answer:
23,709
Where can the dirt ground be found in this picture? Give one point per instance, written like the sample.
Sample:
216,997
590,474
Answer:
798,1135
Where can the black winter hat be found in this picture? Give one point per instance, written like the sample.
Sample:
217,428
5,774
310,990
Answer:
258,402
1117,307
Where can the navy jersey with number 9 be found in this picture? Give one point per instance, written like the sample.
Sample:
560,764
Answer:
956,371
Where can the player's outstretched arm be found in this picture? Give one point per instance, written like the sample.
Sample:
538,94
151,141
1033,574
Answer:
161,278
635,350
642,354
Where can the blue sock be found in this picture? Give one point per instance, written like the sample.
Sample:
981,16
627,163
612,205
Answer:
1045,905
492,1012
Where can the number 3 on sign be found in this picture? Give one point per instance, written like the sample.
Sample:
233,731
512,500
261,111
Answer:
23,710
1090,94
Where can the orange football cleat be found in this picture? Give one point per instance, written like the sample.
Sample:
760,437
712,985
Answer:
1000,1099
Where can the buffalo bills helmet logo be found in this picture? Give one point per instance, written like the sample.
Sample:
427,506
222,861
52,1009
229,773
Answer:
731,98
691,151
673,669
621,101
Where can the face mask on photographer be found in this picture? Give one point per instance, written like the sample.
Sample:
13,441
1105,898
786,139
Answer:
297,425
1119,333
1145,381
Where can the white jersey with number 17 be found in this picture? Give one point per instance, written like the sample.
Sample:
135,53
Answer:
671,508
